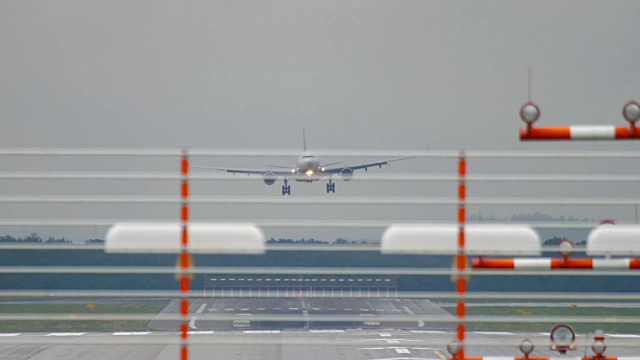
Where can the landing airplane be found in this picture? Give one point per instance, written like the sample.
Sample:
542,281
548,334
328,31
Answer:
307,169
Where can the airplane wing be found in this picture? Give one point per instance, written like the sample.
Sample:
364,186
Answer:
366,166
244,171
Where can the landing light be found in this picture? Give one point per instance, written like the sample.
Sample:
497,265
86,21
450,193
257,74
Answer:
309,172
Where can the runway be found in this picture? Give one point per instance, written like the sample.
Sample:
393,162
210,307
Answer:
238,336
249,314
388,344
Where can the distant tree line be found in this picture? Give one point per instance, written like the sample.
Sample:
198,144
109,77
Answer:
32,238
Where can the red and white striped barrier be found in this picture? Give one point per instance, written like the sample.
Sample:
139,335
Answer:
558,263
596,132
553,358
530,113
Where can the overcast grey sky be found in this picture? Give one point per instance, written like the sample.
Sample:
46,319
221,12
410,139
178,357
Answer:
356,74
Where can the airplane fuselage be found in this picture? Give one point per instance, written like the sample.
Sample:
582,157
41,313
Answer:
307,168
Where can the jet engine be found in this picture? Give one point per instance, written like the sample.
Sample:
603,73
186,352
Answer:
269,178
346,174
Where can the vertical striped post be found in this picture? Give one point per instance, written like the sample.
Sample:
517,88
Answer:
184,255
461,261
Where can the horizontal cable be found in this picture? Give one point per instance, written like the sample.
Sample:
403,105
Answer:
306,271
328,153
301,223
318,200
431,318
447,296
359,177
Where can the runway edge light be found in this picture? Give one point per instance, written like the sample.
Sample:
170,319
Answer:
204,238
481,239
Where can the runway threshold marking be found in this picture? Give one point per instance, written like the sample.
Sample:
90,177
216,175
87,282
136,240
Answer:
402,351
66,334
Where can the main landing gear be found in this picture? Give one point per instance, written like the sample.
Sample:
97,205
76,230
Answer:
286,188
331,187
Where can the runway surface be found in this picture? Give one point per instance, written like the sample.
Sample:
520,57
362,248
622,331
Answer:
227,329
358,344
250,314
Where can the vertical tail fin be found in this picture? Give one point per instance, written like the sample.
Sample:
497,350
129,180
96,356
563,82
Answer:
304,140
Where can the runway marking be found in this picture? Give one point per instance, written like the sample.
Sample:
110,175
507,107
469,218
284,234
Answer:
364,309
260,309
8,334
228,309
332,309
385,335
397,310
261,332
241,314
293,308
493,333
428,332
67,334
380,310
348,309
623,335
402,351
420,323
316,309
131,333
201,308
325,331
408,310
200,332
440,355
245,309
192,323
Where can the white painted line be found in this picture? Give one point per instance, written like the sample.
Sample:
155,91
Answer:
348,309
317,309
623,335
201,309
397,310
10,334
428,332
493,333
245,309
380,310
325,331
192,323
131,333
260,309
293,308
364,309
66,334
385,335
228,309
402,351
199,332
408,310
420,323
261,332
241,314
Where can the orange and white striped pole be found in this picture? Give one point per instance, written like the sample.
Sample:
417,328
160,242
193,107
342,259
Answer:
184,255
461,258
557,263
530,113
